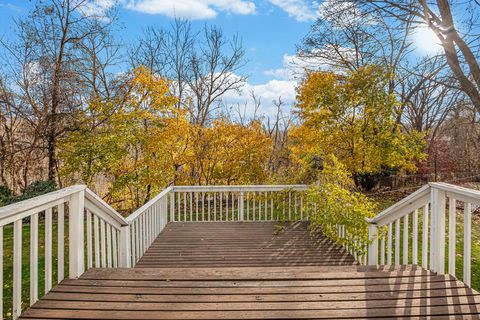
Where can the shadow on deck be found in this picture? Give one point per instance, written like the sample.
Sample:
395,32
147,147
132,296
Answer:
242,244
254,270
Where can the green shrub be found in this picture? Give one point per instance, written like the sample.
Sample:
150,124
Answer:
37,188
337,204
6,196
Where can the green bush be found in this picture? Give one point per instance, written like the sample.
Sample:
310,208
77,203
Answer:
6,196
37,188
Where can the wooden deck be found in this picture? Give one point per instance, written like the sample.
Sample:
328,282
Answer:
254,271
241,244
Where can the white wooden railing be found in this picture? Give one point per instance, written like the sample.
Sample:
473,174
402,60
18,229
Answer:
84,208
414,230
238,203
143,227
98,236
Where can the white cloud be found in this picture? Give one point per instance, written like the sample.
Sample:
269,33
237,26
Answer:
301,10
295,66
97,8
192,9
267,92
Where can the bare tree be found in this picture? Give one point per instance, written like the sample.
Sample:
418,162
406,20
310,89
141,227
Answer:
48,63
202,66
460,47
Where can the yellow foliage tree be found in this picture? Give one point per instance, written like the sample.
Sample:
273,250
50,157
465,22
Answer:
118,138
227,153
352,117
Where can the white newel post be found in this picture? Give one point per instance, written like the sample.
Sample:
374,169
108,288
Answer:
241,213
172,206
372,244
437,203
125,251
76,264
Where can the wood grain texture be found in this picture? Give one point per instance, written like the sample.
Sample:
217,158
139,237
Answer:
248,271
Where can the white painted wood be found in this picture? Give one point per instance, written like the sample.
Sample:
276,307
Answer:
226,207
415,237
48,250
373,244
296,216
137,239
191,206
301,210
467,243
290,206
26,208
233,207
126,247
405,239
452,234
266,207
115,249
221,206
75,234
215,206
425,236
179,212
184,206
382,251
254,206
397,242
196,211
457,192
389,251
208,205
172,206
203,206
61,242
89,240
271,206
259,217
33,259
390,214
241,212
96,237
103,253
244,188
103,209
161,195
17,269
438,203
109,246
248,206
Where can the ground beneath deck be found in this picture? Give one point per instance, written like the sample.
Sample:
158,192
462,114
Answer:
254,271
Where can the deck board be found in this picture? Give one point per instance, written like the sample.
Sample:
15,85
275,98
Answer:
241,244
250,271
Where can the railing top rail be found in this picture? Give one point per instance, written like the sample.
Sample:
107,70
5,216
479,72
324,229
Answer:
142,209
391,213
233,188
11,210
461,193
100,203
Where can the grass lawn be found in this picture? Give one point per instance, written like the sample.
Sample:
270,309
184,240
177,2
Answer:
8,263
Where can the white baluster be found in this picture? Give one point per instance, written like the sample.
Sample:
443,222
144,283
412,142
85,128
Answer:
467,243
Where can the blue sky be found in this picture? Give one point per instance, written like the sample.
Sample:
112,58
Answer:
270,30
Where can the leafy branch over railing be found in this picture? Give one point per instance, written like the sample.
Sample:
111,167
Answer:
340,213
